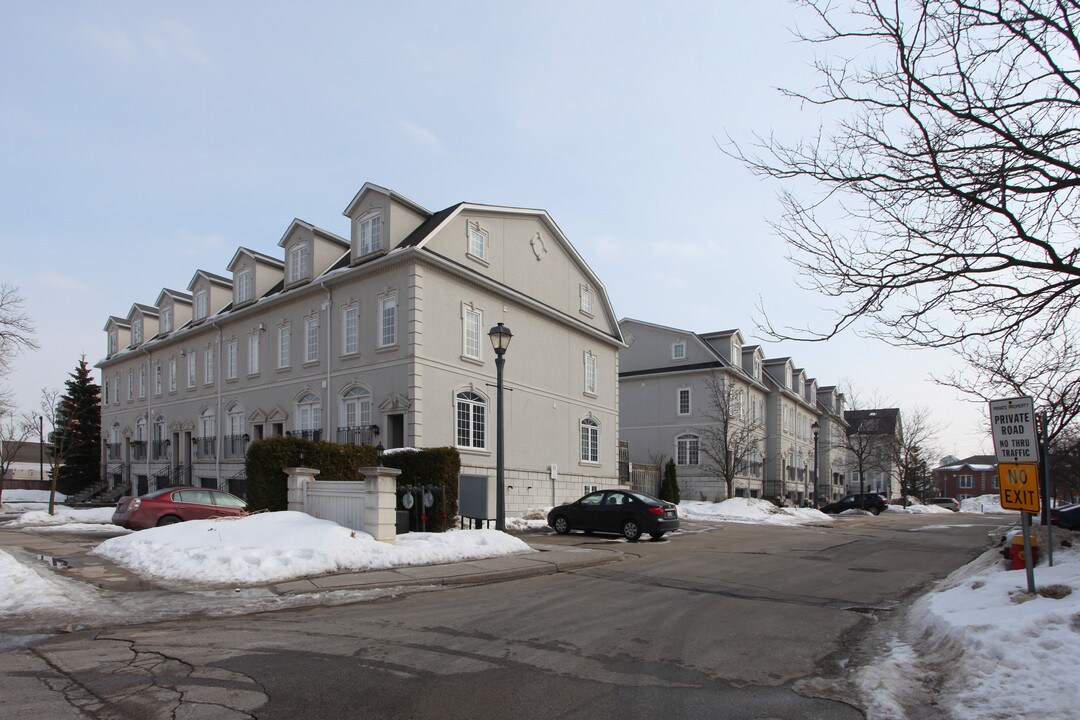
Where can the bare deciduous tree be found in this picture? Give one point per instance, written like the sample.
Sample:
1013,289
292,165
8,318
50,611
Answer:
15,433
58,441
944,204
731,439
16,328
911,453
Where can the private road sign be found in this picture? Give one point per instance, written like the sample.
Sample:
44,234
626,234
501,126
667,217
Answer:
1012,421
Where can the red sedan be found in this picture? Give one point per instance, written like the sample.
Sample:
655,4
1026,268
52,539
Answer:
173,505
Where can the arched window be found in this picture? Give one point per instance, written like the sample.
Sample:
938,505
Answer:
207,425
158,438
140,430
471,420
309,415
235,420
590,440
686,449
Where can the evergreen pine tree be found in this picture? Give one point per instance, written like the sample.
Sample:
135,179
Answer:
669,486
79,423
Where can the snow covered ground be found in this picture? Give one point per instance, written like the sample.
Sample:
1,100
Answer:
995,651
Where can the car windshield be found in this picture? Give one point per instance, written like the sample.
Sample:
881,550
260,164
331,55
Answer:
644,497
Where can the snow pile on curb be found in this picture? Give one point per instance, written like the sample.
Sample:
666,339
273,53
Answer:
278,546
64,516
751,510
984,504
917,509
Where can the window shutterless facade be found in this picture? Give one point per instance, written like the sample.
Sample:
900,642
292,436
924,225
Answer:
472,323
683,401
590,441
166,320
590,373
253,354
350,329
172,374
370,232
311,340
478,243
232,360
678,351
191,369
388,321
284,340
586,297
686,449
202,304
157,379
243,286
299,262
471,421
208,366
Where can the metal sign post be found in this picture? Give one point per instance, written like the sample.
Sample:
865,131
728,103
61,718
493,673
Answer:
1025,524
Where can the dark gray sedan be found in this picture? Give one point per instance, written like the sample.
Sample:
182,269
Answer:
626,512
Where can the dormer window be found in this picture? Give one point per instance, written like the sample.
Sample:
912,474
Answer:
166,320
243,286
787,377
757,368
112,342
299,262
136,332
202,304
370,233
736,352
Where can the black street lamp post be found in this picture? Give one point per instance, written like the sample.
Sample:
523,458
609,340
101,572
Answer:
500,340
817,472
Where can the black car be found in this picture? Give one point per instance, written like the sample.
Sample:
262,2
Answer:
871,502
1067,517
627,512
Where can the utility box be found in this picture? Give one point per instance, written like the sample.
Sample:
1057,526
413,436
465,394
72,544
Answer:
476,497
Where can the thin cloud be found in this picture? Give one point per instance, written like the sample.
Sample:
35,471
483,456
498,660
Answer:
174,41
59,281
112,40
420,134
689,250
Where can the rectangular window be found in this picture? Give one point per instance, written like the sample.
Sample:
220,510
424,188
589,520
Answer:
208,366
678,351
166,320
388,321
590,373
586,299
116,389
471,344
299,265
687,450
172,374
966,481
370,234
478,241
202,304
157,379
105,394
311,340
243,286
136,332
130,385
191,369
350,330
284,339
112,343
253,354
142,383
232,360
590,441
471,421
684,401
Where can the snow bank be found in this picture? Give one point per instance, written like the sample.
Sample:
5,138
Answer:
21,496
984,504
272,547
64,516
751,510
917,509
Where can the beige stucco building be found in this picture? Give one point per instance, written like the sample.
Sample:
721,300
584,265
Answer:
379,337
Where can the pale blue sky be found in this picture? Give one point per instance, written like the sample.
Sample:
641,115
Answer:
144,141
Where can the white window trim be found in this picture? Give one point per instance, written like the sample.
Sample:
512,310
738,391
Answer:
674,350
311,340
476,232
202,304
365,223
299,258
689,402
284,346
679,442
585,299
384,341
232,359
350,323
254,343
244,286
472,403
467,311
582,424
591,377
208,365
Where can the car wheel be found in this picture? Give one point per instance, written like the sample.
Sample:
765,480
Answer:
631,531
168,520
875,511
656,536
561,525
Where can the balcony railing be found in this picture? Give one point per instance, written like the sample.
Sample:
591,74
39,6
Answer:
159,449
138,449
205,447
308,434
113,451
356,435
235,445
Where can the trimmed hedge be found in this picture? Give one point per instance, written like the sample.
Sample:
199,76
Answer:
267,484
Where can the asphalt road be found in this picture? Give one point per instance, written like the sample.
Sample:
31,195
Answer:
719,621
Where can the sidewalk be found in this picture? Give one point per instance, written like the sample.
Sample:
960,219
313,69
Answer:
69,555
